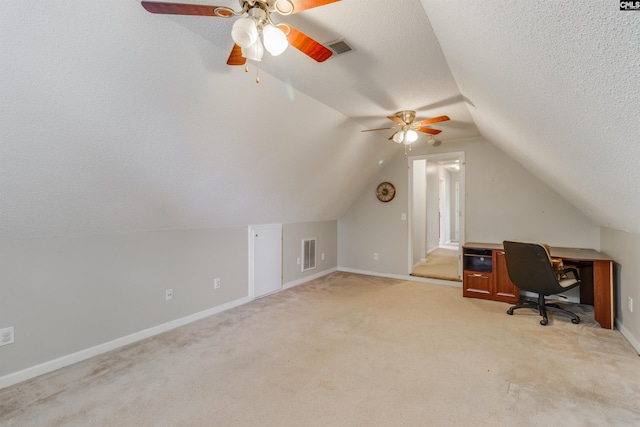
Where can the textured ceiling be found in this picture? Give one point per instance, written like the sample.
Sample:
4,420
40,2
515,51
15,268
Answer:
113,119
555,85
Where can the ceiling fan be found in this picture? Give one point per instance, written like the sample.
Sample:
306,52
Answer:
255,31
406,129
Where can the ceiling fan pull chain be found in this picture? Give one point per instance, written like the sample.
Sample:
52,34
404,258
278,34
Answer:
257,75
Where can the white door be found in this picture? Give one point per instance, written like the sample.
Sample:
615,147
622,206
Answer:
265,263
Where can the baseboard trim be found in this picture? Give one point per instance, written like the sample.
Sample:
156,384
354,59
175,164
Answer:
625,333
79,356
308,278
402,277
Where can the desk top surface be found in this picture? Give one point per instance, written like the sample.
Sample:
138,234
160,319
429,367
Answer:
556,252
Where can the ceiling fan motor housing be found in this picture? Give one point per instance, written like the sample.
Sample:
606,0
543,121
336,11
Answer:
406,116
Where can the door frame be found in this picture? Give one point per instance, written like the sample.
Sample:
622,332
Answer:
436,157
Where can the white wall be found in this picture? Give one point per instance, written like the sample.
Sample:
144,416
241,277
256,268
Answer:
66,295
624,249
370,226
503,201
326,235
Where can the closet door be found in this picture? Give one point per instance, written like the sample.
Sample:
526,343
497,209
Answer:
265,266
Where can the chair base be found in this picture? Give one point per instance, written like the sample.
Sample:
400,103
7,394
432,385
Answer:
542,308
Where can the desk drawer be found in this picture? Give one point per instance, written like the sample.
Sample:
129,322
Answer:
477,284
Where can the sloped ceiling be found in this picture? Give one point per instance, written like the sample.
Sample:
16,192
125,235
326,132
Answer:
555,85
113,119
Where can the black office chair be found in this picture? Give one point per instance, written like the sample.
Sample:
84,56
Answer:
530,269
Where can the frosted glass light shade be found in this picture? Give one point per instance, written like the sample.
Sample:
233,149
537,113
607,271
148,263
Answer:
254,52
274,40
399,137
410,136
244,32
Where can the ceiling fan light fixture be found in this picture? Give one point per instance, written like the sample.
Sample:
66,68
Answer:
433,141
244,32
252,17
398,137
274,40
254,52
410,136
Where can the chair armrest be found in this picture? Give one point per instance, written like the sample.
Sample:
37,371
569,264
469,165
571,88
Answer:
572,270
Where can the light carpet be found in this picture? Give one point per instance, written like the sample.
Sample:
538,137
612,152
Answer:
349,350
441,264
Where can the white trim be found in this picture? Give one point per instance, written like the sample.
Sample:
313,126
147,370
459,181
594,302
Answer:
309,278
79,356
402,277
625,333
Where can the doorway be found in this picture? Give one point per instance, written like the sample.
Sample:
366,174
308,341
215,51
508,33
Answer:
436,226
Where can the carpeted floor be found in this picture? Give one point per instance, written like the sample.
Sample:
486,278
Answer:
349,350
441,264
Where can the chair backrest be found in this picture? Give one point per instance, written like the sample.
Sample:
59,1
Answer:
530,268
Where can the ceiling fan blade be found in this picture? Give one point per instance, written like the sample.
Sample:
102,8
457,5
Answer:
428,130
307,45
397,120
185,9
300,5
236,58
369,130
430,121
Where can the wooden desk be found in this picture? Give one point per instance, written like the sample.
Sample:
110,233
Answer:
596,275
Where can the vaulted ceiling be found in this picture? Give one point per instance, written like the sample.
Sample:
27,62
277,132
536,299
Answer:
113,119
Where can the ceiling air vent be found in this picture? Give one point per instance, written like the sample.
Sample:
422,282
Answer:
339,47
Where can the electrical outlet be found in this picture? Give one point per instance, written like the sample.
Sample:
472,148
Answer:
6,336
403,216
631,304
375,256
168,294
216,283
322,257
298,261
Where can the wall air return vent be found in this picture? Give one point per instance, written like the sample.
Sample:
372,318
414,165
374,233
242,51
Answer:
339,47
308,254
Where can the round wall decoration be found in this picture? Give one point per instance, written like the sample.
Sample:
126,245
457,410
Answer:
385,192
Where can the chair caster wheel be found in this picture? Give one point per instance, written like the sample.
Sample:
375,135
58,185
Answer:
543,322
510,312
575,321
